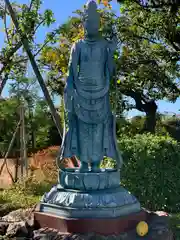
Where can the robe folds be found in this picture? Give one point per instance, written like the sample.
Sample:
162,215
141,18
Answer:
91,130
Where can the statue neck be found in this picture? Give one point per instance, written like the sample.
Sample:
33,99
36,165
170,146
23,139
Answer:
91,39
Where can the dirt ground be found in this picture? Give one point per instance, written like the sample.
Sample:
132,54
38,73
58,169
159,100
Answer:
43,161
5,179
37,165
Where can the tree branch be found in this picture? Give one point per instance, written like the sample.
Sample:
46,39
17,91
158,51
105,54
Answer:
38,26
156,6
174,45
143,103
3,83
145,38
5,26
136,96
30,6
46,42
9,56
6,64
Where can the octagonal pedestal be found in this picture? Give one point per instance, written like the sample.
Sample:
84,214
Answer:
102,226
89,199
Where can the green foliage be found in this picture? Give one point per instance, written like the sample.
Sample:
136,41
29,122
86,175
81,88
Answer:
38,121
108,163
48,17
40,129
151,170
146,52
175,225
172,126
55,56
8,121
30,19
135,125
42,122
15,199
23,194
32,186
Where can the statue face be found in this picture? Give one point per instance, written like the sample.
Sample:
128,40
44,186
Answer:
92,27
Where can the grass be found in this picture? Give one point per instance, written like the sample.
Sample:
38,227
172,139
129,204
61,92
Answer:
27,192
10,201
23,195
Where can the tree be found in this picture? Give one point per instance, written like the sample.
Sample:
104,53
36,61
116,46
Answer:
26,90
55,57
155,4
30,19
39,125
9,118
151,54
150,51
22,33
147,62
40,129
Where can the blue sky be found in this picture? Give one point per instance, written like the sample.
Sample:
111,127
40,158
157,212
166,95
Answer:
62,10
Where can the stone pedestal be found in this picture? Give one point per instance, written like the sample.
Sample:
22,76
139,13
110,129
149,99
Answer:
86,201
102,226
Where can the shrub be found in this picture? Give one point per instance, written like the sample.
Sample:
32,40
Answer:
23,194
45,160
33,186
151,170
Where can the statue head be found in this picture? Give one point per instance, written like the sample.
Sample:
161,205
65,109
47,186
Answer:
91,19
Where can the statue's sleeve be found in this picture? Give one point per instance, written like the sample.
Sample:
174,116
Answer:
71,76
73,66
110,62
111,48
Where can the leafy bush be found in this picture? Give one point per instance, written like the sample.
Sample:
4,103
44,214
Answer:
23,194
33,186
46,161
151,170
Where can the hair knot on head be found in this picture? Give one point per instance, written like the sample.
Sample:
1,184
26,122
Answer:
90,11
91,4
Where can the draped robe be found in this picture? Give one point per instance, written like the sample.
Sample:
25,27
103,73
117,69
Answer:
90,133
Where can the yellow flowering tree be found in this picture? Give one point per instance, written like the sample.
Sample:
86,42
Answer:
55,57
147,59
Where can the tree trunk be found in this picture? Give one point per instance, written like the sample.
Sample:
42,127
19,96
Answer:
16,168
32,133
150,122
144,104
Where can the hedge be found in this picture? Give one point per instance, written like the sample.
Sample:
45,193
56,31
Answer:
151,170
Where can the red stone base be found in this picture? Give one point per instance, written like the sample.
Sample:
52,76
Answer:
99,226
